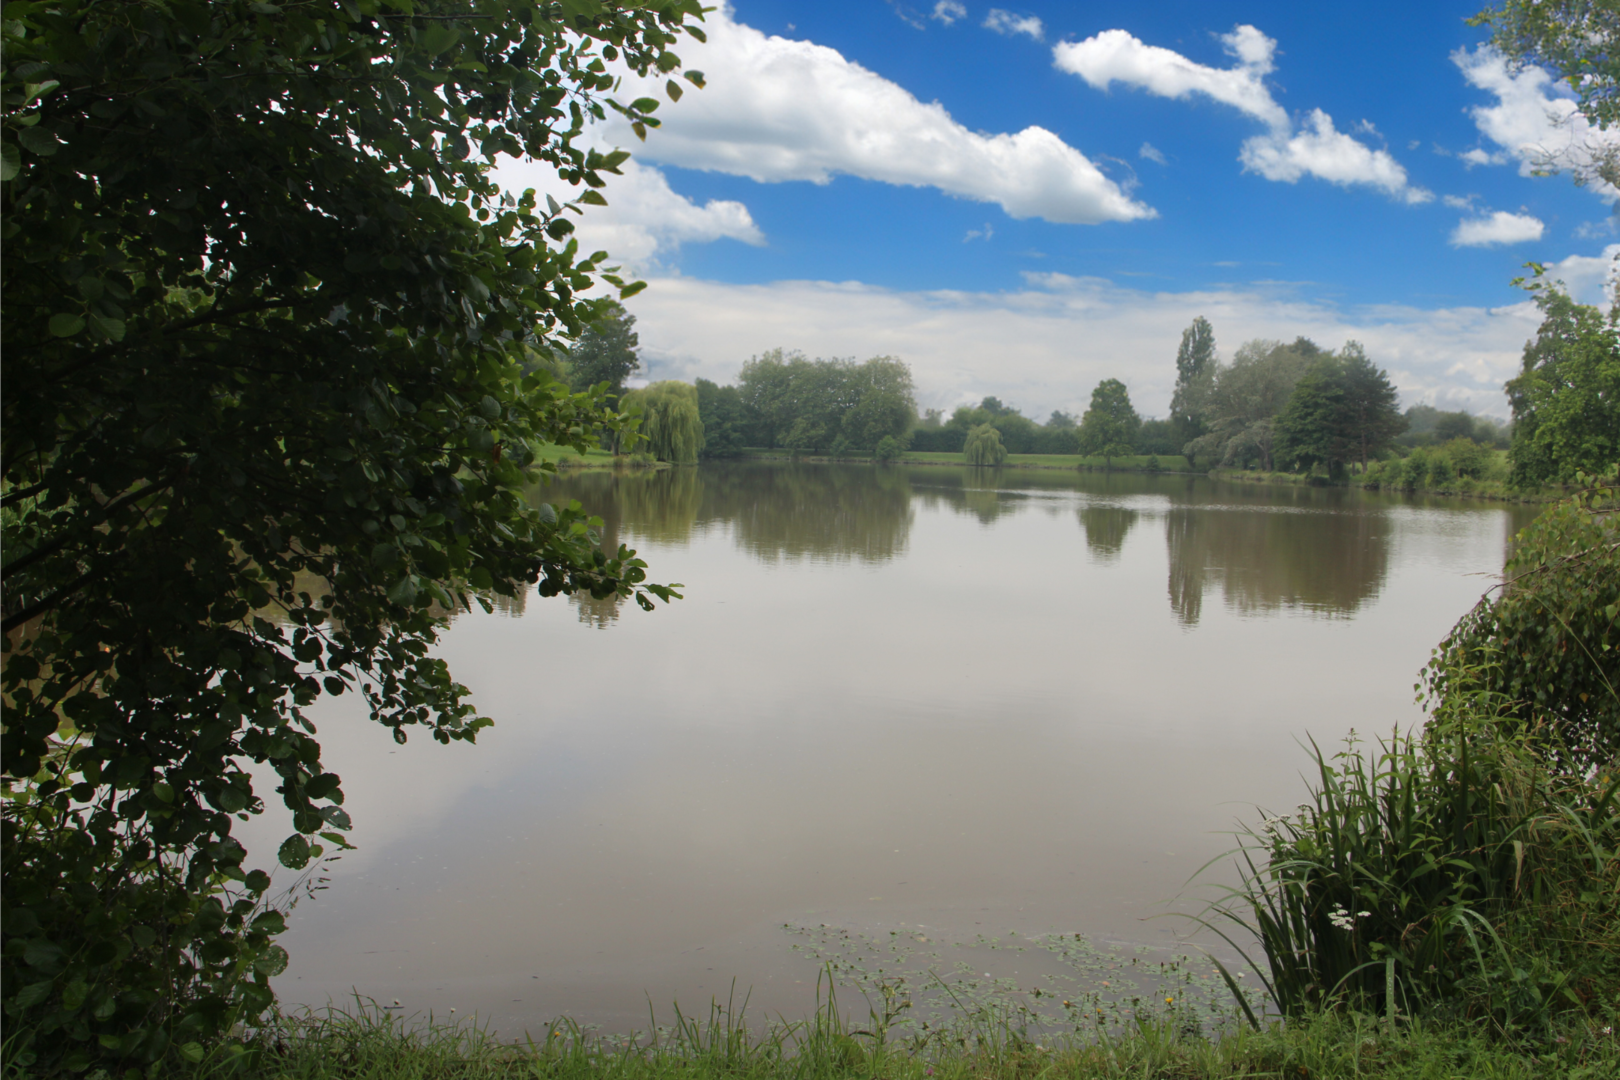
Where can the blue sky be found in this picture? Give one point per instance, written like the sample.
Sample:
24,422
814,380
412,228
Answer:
1025,200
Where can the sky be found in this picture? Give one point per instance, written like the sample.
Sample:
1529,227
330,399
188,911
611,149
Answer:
1024,201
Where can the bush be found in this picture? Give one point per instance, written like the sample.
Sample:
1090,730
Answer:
888,449
1548,642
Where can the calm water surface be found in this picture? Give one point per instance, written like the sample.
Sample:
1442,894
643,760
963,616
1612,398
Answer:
938,700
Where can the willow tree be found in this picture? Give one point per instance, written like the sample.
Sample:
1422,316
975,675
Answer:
671,420
270,410
983,446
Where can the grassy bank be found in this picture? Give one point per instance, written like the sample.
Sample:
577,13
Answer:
827,1047
1133,463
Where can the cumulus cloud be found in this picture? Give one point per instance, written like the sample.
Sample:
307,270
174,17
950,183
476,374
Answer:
1534,120
1317,148
1045,345
1005,22
645,221
948,11
778,110
1591,279
1152,153
1117,56
1495,229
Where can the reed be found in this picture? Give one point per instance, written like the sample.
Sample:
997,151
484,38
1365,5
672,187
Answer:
1447,872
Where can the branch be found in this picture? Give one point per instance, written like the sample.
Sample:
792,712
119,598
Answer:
30,558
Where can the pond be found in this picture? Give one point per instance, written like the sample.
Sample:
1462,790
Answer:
908,703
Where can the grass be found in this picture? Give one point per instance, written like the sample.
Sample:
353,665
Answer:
1134,463
374,1045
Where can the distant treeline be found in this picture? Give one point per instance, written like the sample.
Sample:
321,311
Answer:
1274,406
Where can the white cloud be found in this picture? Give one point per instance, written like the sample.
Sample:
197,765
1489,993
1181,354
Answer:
645,221
1005,22
1046,345
1500,227
1459,202
1316,149
1592,230
1117,56
1591,279
778,110
948,11
1320,150
1476,156
1533,119
1152,153
979,234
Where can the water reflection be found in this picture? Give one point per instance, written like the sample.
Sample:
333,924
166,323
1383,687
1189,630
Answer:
1266,559
1319,550
774,511
1105,527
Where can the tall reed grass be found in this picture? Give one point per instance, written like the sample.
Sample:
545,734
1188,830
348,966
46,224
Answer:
1446,872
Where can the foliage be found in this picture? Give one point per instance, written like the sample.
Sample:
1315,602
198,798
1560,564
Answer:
988,1045
1461,466
888,449
1244,396
1426,426
606,351
1578,40
1566,399
1159,437
1110,425
1195,372
1548,642
266,329
725,424
983,446
671,421
809,404
1414,880
1342,409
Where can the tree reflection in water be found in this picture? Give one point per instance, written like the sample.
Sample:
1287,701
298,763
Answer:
1105,527
1318,551
1266,548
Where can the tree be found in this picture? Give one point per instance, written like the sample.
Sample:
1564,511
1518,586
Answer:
1243,398
884,404
1109,427
1342,410
606,352
725,425
671,420
1566,398
1580,41
810,405
1195,372
983,446
1372,420
265,325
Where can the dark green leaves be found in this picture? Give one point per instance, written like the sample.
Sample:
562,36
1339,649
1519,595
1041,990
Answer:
268,413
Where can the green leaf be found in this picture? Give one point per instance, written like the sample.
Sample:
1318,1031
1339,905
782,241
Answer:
64,324
294,853
33,994
191,1051
40,141
10,161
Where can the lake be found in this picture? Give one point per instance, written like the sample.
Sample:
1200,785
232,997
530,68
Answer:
901,703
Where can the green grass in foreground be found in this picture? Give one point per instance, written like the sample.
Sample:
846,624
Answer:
1327,1047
